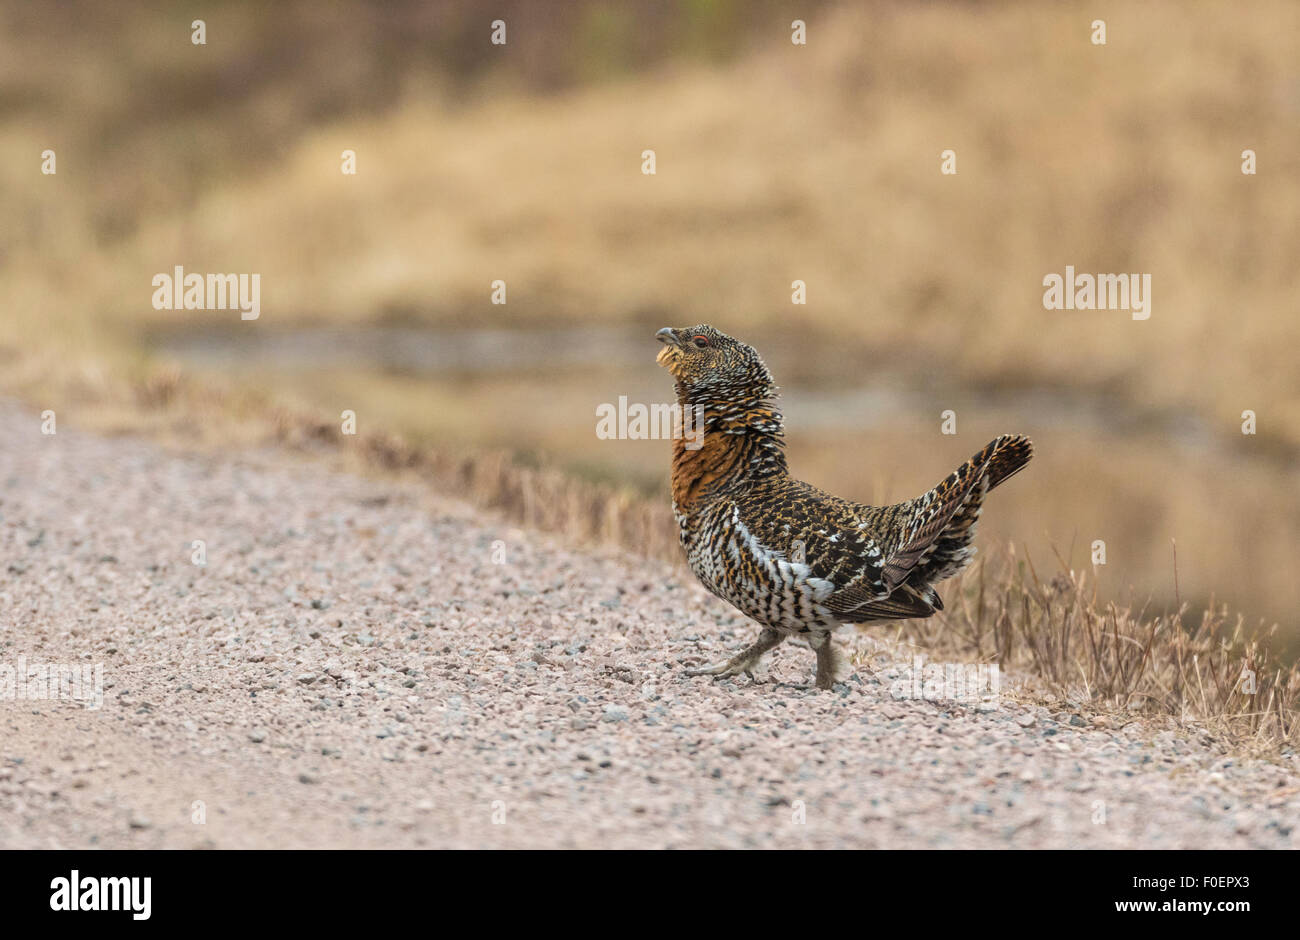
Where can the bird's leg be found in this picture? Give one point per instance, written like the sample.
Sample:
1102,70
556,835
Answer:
831,664
746,661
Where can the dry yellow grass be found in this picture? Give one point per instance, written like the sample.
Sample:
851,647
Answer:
819,163
822,164
1211,672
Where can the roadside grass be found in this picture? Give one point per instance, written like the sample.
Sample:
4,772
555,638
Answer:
1214,675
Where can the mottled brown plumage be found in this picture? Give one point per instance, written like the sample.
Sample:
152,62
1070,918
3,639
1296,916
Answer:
796,559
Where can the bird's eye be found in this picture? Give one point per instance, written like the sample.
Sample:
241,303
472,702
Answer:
701,341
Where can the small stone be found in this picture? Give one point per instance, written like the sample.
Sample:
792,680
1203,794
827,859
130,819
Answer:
614,713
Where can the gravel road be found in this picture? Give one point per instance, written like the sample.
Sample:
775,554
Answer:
364,664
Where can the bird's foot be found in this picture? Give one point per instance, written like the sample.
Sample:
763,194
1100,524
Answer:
737,665
747,661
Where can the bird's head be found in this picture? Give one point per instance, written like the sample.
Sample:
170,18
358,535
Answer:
711,366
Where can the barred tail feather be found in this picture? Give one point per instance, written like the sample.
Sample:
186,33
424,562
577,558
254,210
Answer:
939,542
1010,454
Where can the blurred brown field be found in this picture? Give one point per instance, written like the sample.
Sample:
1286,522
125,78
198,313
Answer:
775,162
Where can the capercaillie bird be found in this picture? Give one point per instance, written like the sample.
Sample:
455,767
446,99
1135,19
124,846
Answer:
800,561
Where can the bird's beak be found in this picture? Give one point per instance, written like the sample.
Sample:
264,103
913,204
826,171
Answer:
667,337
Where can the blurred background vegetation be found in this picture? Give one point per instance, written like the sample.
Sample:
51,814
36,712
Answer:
776,162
